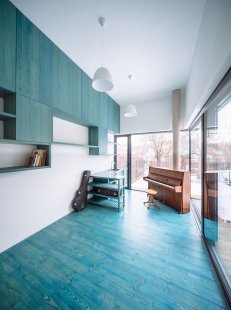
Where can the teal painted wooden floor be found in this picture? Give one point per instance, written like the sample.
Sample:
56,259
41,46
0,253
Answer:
102,259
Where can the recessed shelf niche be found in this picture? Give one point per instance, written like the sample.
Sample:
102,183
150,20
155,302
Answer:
69,134
14,155
7,114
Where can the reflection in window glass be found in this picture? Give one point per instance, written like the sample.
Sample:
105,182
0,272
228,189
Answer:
151,149
184,138
196,161
217,176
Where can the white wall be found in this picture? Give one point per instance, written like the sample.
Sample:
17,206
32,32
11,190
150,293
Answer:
212,57
154,115
31,200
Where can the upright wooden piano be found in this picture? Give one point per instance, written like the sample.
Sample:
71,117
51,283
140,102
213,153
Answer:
173,187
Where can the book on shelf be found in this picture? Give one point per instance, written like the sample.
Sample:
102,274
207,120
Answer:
37,158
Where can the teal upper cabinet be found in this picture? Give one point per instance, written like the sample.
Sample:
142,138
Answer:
110,114
33,120
66,83
33,75
113,116
116,118
90,102
8,45
103,109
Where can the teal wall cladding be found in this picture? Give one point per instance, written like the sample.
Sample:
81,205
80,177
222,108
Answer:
33,77
46,82
8,45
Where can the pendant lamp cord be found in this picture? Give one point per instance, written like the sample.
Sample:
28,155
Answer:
102,44
102,22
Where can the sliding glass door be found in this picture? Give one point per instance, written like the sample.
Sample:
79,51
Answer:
196,167
210,166
136,152
217,181
149,149
122,155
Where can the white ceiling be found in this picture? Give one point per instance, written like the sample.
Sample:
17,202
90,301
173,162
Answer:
154,40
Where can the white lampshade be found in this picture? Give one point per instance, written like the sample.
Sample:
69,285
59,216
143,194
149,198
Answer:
130,111
102,80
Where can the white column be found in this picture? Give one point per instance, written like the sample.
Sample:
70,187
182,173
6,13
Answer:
176,111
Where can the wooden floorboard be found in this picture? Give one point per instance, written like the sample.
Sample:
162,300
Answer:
102,259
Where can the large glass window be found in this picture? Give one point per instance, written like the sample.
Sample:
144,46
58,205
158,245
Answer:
196,166
150,149
184,153
217,180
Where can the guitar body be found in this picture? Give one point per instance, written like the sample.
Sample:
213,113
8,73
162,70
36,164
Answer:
80,200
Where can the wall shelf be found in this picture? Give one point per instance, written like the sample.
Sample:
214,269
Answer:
21,168
4,116
9,141
75,144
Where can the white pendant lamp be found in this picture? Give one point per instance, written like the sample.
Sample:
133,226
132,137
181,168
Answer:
102,80
130,111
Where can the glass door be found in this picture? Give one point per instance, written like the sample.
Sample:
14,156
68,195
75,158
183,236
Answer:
121,158
196,167
217,181
149,149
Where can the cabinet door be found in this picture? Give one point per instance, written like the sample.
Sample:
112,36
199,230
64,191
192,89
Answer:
103,141
33,120
8,45
103,109
116,118
110,114
66,83
33,75
90,102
